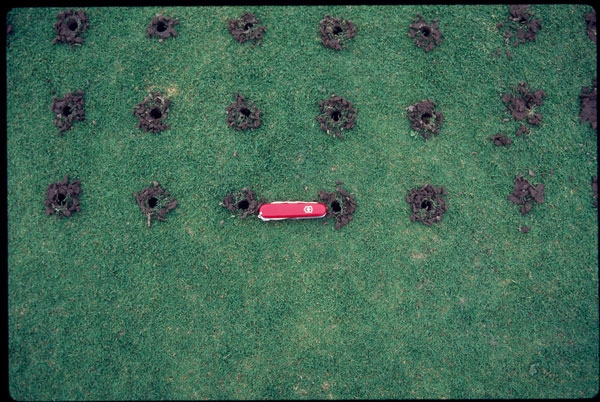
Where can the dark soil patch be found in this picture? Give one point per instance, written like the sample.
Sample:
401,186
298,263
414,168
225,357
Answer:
336,32
152,113
590,22
589,104
337,115
427,203
524,193
340,204
242,203
155,202
522,104
424,118
243,114
501,140
425,35
69,27
62,198
247,28
161,27
520,26
595,190
68,110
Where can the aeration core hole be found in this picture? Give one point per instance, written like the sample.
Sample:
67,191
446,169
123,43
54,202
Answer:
152,202
336,207
243,204
155,113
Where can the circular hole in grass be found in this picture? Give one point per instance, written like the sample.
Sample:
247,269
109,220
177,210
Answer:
336,207
155,113
337,30
66,111
152,202
426,31
336,115
72,24
243,205
245,112
427,204
161,26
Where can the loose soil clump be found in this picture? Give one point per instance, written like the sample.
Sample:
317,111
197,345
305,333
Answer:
243,114
161,27
427,203
425,35
62,198
152,113
501,140
68,110
589,104
590,21
242,203
69,27
424,118
340,204
247,28
155,202
520,25
336,32
524,193
522,105
337,115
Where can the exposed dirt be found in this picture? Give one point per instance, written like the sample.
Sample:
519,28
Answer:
501,139
424,118
247,28
590,22
62,198
68,110
161,27
525,193
589,104
70,26
155,202
520,26
523,102
426,35
427,203
336,32
337,115
340,204
152,113
242,203
243,114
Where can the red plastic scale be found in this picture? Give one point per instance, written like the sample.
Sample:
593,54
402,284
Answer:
278,210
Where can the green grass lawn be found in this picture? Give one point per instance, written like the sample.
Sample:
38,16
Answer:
210,306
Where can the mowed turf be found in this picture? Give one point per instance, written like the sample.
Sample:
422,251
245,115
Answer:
210,306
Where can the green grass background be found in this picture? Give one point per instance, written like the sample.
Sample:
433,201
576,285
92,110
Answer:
206,305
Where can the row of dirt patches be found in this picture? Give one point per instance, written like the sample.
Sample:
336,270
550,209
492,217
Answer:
62,200
337,114
340,204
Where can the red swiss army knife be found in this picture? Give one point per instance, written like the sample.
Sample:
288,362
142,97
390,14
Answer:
278,210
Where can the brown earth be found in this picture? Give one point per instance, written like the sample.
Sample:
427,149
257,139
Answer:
161,27
336,32
155,202
152,113
246,28
424,118
524,193
243,114
336,115
340,204
427,204
242,203
426,35
69,27
68,110
62,198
